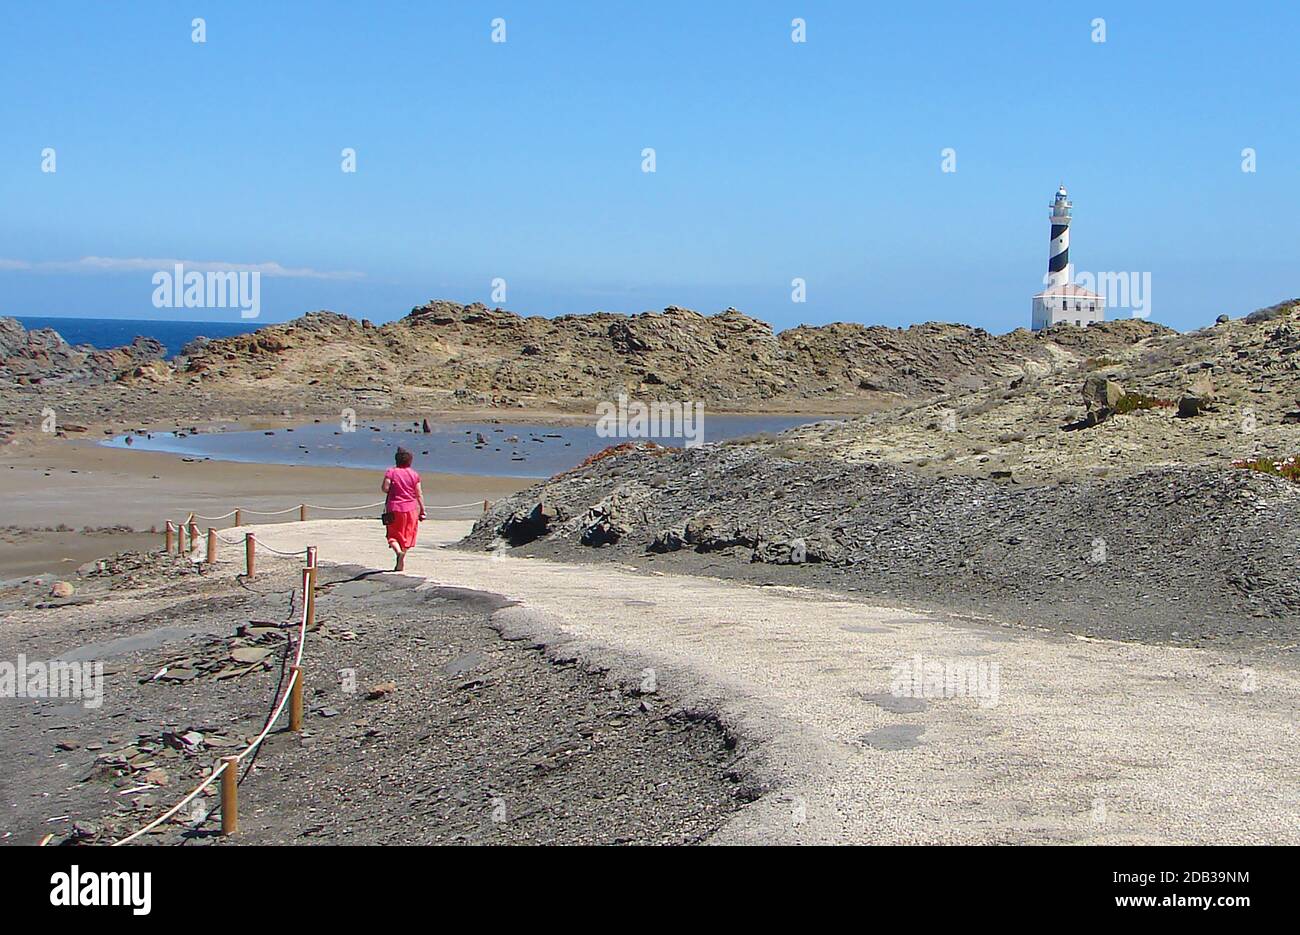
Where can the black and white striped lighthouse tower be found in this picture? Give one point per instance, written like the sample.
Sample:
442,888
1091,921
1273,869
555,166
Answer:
1058,254
1062,301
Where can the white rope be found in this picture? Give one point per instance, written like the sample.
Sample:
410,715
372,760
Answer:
279,709
367,506
370,506
228,541
221,768
317,506
263,545
270,722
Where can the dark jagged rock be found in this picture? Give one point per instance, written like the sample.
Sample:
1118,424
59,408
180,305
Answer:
527,524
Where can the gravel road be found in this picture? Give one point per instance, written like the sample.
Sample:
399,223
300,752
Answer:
1069,740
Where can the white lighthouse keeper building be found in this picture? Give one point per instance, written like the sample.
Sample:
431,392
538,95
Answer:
1062,301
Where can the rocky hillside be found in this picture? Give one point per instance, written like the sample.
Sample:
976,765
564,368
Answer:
1229,391
1191,556
728,360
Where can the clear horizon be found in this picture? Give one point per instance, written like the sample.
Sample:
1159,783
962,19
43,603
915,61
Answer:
522,160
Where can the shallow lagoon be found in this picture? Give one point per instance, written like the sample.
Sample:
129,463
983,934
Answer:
512,449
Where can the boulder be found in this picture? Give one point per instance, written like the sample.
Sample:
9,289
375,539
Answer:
781,552
1100,397
602,526
798,550
821,547
1099,391
526,524
711,533
61,589
668,540
153,372
1198,399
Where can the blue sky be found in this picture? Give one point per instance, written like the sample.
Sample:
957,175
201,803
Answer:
774,159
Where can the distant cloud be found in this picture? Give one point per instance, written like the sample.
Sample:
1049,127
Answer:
108,264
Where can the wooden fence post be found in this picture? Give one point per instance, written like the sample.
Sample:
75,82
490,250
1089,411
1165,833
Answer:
302,512
250,547
168,547
309,587
230,795
212,546
239,517
295,699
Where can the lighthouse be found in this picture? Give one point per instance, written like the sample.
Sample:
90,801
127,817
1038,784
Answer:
1058,253
1062,301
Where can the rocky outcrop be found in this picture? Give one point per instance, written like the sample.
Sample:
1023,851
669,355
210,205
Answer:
41,356
490,356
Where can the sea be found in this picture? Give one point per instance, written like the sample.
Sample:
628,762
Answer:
114,332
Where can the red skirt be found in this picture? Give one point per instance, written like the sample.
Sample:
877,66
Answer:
403,527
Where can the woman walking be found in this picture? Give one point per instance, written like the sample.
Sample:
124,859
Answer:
404,507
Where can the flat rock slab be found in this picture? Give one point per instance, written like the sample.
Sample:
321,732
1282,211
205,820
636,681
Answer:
894,737
897,704
464,663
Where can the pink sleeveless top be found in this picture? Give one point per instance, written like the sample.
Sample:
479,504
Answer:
402,497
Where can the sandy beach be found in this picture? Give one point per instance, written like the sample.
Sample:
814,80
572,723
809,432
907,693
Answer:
78,485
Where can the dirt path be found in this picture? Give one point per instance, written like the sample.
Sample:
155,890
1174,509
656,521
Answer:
1072,740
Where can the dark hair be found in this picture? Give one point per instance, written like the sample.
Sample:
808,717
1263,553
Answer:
403,458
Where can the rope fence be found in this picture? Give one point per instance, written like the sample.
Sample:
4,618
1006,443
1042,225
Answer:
182,537
292,696
226,770
302,509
